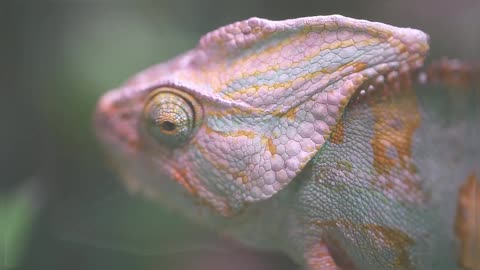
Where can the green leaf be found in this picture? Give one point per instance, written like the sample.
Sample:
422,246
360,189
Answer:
16,216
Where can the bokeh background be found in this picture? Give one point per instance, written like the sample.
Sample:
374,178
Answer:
60,205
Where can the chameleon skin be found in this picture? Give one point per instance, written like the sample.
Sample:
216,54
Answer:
311,136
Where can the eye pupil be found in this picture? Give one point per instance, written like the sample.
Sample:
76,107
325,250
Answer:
168,126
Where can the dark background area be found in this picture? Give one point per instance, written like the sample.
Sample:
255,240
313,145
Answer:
58,57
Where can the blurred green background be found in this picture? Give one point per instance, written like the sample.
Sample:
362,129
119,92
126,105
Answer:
60,205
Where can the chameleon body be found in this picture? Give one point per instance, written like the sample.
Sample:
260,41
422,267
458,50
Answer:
324,137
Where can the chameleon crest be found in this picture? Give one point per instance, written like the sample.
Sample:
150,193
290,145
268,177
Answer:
237,118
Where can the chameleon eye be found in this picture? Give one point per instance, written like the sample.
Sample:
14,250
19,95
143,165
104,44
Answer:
171,116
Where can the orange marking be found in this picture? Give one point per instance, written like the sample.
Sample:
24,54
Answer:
279,46
290,114
357,66
248,134
396,119
181,176
338,135
383,33
242,61
237,133
467,223
402,48
394,127
272,148
233,111
381,238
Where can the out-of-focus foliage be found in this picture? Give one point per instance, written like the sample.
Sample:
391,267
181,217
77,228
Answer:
16,216
57,57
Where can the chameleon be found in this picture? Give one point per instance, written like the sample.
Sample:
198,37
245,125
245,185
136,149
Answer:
327,138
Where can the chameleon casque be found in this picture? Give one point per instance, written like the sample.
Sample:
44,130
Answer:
325,137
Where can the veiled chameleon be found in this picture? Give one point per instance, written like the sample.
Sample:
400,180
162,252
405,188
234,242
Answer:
323,137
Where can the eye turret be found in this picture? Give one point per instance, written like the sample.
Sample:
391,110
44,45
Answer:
171,116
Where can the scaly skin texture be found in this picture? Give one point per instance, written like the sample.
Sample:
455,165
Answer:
324,137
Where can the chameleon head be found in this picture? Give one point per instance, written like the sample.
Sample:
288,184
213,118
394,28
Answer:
237,118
